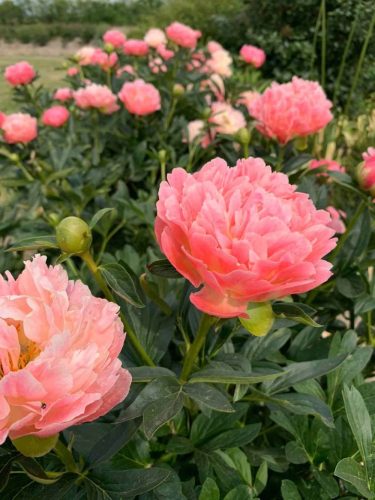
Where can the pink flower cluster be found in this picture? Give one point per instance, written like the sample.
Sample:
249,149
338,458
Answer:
253,55
59,352
115,38
366,171
140,98
19,128
97,97
183,35
56,116
63,94
295,109
21,73
244,234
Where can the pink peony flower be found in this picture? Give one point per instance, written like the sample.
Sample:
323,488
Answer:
84,55
19,127
63,94
114,37
227,120
288,110
128,68
244,233
104,60
247,98
135,48
214,46
331,165
366,171
336,220
140,98
197,133
59,352
183,35
73,71
98,97
2,118
214,84
165,53
220,63
155,37
21,73
253,55
56,116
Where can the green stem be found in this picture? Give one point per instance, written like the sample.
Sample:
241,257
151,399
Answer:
360,62
66,457
27,174
324,44
351,225
245,147
95,271
204,327
170,114
280,158
317,26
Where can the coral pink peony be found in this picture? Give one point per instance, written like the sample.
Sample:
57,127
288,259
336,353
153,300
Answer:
135,48
244,233
21,73
220,63
19,127
288,110
155,37
330,165
226,119
253,55
104,60
73,71
2,118
247,98
59,352
84,55
165,53
96,96
140,98
55,116
183,35
63,94
114,37
336,220
366,171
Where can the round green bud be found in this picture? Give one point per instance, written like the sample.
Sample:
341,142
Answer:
243,136
73,235
34,446
162,155
206,113
301,143
14,157
178,90
108,47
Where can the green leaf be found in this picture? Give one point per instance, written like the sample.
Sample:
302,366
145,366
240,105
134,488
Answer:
351,471
261,347
34,243
228,376
328,483
261,478
260,319
6,463
180,445
295,311
233,438
99,215
359,421
36,472
241,492
121,279
364,304
160,412
237,459
35,446
208,396
295,453
210,490
351,285
164,269
144,374
304,404
289,490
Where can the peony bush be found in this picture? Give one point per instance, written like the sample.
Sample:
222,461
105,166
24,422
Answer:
223,224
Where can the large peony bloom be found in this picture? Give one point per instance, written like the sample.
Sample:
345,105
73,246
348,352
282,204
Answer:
59,352
155,37
19,127
366,171
84,55
104,60
63,94
55,116
21,73
288,110
183,35
220,63
226,119
97,97
134,47
244,233
114,37
140,98
253,55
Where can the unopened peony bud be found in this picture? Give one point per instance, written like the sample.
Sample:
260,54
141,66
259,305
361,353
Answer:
206,113
243,136
14,157
34,446
108,47
260,320
178,90
301,143
366,171
162,155
73,235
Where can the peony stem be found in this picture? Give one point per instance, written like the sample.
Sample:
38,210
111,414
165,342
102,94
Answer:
66,456
351,225
204,327
95,271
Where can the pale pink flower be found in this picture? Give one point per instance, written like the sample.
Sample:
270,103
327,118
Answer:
2,118
214,84
247,98
134,47
366,171
59,353
128,68
73,71
56,116
214,46
226,119
336,220
244,233
155,37
19,127
104,60
98,97
114,37
220,63
165,53
183,35
197,132
84,55
253,55
63,94
21,73
157,65
140,98
330,165
288,110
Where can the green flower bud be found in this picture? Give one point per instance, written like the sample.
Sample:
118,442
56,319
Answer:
243,136
178,90
206,113
73,235
301,143
14,157
34,446
162,155
108,47
261,318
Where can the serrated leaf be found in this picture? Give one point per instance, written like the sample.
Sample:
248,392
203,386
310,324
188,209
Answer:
209,396
164,269
123,282
295,311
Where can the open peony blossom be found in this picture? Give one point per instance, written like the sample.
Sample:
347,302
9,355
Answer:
155,37
288,110
366,171
21,73
214,84
97,97
183,35
197,132
84,55
59,352
213,46
114,37
140,98
134,47
73,71
220,63
331,165
253,55
19,127
63,94
127,68
104,60
244,233
56,116
165,53
226,119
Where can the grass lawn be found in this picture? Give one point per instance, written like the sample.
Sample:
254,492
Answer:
46,67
